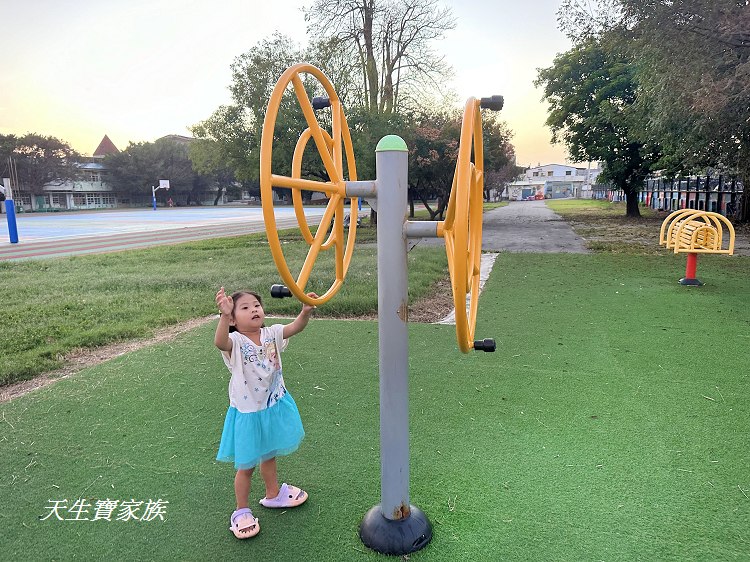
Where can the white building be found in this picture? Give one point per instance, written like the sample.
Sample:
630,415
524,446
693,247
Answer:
553,181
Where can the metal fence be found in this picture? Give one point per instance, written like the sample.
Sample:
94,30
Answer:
716,194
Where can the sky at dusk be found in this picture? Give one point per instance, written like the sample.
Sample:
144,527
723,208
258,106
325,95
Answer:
137,70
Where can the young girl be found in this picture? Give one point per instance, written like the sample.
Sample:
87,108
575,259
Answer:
262,421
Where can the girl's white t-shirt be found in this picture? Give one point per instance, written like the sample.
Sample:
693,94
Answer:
256,382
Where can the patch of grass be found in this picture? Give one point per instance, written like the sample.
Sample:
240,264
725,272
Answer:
620,247
598,207
57,305
495,205
611,423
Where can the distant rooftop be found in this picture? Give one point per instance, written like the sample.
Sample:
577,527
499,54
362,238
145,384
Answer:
177,138
106,147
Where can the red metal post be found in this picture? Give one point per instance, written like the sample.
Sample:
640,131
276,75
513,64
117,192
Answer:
690,270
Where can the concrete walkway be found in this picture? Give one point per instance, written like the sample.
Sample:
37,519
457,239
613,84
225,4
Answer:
529,226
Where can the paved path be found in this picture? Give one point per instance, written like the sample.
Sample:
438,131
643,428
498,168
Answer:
529,226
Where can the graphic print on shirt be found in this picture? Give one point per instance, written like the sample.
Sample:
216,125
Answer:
248,354
276,389
266,359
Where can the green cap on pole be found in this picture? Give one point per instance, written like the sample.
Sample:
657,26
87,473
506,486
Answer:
392,143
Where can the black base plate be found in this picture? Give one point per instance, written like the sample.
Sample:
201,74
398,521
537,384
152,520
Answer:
396,537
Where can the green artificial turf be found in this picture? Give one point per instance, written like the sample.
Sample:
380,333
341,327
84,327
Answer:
612,423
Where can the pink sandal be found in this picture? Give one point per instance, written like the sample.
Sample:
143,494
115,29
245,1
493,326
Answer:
243,524
289,496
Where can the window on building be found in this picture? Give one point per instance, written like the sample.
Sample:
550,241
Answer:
79,199
108,199
536,174
549,173
568,173
95,176
93,199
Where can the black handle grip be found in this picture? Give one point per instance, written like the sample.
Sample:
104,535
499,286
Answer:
487,345
494,103
280,291
320,103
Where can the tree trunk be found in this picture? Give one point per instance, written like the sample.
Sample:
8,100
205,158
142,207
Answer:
440,212
371,66
744,214
631,203
218,196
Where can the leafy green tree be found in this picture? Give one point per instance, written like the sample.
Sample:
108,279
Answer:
211,162
499,153
39,160
433,152
694,70
228,127
692,62
433,138
378,55
592,92
140,166
237,128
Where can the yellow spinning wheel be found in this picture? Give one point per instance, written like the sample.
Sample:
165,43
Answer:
331,152
462,227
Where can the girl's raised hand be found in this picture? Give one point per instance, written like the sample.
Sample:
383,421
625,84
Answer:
308,308
224,302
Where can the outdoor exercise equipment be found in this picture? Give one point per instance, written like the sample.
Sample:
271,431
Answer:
394,526
696,232
329,148
462,227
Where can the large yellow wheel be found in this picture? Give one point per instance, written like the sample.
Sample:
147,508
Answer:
462,228
330,149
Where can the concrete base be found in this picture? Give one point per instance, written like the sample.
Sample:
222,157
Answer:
690,282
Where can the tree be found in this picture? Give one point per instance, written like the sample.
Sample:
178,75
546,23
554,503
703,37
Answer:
228,127
377,54
692,62
432,159
390,42
434,140
211,162
591,90
140,166
499,153
39,160
237,128
694,68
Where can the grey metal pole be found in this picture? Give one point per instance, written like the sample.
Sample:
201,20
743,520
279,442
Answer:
391,164
395,526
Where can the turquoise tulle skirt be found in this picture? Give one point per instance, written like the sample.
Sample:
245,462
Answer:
251,438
